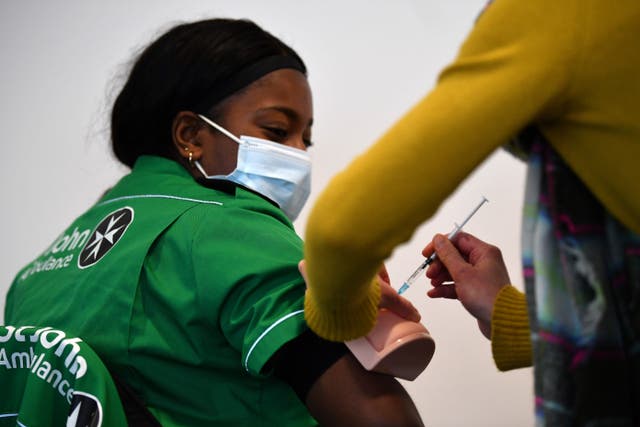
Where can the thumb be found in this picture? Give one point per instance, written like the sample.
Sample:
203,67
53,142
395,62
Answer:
448,255
390,300
303,270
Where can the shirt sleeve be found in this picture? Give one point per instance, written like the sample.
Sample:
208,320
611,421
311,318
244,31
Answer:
512,70
510,331
303,360
248,280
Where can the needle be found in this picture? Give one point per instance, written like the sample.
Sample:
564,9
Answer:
433,256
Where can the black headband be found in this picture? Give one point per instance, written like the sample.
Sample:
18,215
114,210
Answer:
246,76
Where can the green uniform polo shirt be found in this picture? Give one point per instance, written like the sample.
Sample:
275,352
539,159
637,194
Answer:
51,379
184,291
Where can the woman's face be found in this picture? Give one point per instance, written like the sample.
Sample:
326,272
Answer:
277,107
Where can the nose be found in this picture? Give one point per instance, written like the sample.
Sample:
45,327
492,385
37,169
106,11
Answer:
298,142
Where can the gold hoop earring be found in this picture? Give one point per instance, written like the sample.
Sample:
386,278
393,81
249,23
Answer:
191,158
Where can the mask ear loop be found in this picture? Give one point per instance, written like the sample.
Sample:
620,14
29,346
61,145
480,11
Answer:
201,169
225,132
221,129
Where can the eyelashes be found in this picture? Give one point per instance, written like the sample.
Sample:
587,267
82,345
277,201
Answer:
280,135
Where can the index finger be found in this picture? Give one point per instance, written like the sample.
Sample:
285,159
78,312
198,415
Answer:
384,274
428,250
303,269
467,243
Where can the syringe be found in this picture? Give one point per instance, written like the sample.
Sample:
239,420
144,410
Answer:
433,256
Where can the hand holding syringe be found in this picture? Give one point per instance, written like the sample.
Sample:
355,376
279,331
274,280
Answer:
433,256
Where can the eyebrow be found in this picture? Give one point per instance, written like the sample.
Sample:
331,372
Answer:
289,112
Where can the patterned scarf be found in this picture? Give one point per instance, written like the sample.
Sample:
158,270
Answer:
582,280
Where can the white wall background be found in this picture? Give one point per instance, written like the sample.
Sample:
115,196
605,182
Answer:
369,61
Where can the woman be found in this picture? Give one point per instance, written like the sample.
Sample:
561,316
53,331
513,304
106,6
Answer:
563,75
183,277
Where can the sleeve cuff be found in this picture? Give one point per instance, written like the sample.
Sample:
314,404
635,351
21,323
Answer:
334,322
510,331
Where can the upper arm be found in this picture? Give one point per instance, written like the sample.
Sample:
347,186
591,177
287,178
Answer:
348,395
337,390
249,286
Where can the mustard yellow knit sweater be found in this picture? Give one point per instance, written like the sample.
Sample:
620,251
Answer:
572,67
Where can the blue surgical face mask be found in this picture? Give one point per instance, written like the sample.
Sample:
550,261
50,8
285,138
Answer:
278,172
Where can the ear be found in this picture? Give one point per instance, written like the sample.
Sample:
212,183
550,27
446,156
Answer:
184,131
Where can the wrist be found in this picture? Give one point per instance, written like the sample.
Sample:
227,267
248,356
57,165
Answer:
485,311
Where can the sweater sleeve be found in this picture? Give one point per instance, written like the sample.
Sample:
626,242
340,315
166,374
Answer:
511,70
510,332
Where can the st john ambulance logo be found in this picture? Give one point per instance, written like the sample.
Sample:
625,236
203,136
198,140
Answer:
105,236
86,411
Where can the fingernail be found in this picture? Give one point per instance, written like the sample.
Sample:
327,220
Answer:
438,240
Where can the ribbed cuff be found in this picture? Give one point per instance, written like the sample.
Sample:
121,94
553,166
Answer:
343,322
510,332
